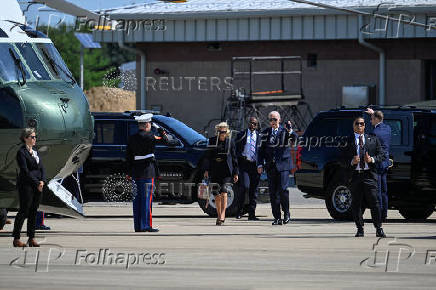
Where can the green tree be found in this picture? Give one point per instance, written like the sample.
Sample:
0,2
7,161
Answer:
98,62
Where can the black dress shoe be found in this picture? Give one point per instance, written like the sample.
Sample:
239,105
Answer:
277,222
239,216
380,233
253,218
286,220
152,230
359,233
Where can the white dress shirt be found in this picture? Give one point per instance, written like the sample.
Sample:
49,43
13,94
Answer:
356,138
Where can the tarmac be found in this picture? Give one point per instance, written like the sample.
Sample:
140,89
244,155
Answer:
102,251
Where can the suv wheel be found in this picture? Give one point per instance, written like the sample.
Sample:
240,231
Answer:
417,213
210,209
338,201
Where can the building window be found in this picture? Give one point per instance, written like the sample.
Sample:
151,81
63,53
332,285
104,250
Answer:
312,60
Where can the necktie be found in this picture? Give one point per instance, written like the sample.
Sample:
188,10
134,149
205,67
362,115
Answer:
252,146
361,153
274,136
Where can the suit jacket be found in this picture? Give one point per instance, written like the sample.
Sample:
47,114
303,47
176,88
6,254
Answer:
276,154
231,159
383,133
241,141
372,146
30,172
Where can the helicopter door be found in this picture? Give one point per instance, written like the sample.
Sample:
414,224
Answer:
11,124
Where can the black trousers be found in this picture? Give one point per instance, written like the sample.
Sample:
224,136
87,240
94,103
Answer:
30,198
249,179
364,191
3,217
278,192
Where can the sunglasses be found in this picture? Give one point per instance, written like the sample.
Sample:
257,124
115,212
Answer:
223,132
253,123
32,137
273,120
359,123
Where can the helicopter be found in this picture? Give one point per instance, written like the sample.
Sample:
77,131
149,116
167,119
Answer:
38,90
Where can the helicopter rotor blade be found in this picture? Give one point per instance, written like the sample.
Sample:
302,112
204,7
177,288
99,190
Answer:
70,8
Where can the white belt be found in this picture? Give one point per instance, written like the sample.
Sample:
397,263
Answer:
144,157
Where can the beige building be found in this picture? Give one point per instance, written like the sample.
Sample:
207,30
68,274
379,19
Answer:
185,51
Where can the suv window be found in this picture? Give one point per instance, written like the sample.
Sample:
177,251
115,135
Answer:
396,131
331,127
109,132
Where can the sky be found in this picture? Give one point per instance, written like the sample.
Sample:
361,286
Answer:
44,15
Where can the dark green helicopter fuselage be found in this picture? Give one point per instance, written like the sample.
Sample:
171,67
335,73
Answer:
57,107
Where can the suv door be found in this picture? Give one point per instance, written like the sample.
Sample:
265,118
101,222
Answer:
424,156
401,147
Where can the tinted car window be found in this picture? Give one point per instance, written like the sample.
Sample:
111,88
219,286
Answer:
331,127
396,131
188,134
110,133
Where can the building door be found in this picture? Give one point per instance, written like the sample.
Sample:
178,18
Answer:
430,77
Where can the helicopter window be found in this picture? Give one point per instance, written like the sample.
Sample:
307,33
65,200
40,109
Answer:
55,62
8,69
11,114
32,60
3,33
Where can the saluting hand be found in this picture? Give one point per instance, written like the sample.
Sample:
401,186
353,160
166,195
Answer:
41,186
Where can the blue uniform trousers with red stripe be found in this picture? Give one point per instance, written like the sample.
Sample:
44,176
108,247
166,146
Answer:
142,204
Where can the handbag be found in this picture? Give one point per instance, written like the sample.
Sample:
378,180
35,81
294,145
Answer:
203,191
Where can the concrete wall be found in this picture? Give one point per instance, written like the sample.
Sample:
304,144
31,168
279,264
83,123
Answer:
340,63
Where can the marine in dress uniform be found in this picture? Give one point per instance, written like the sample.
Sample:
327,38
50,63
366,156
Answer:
143,169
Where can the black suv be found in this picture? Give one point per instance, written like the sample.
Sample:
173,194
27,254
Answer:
411,179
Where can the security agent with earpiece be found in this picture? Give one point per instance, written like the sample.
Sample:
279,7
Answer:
143,169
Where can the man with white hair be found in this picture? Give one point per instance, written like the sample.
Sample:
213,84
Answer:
275,156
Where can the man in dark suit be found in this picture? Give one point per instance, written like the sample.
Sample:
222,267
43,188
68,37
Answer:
362,154
275,155
383,133
247,144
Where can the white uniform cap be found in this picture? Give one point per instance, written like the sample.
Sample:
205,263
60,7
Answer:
144,118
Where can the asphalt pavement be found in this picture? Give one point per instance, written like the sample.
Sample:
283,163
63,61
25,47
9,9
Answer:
101,251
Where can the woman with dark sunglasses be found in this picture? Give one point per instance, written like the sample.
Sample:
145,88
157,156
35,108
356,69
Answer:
31,181
222,163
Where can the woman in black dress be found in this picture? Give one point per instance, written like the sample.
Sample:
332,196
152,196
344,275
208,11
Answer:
222,164
30,183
